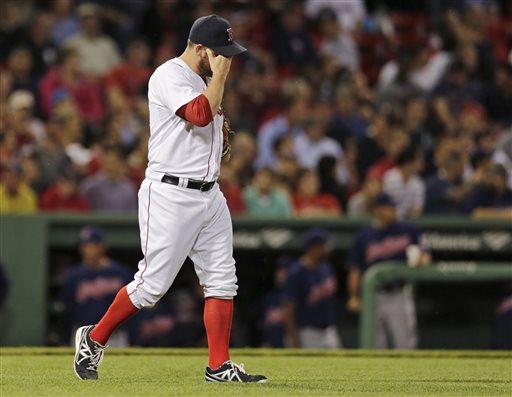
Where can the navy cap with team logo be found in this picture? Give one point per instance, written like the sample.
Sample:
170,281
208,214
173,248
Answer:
215,33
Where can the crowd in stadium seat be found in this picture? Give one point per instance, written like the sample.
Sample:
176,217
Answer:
334,103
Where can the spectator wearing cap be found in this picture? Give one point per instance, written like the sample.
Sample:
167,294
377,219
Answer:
64,195
387,239
15,196
262,198
491,197
67,79
92,284
308,296
307,200
404,184
98,52
27,127
110,189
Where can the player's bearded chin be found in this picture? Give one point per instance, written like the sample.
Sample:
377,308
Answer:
204,68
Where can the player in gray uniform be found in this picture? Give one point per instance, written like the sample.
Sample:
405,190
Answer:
387,240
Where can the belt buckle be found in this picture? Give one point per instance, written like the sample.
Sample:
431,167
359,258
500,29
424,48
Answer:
204,187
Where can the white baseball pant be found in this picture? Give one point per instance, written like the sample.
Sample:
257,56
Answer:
176,222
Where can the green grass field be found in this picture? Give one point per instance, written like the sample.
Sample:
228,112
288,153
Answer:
165,372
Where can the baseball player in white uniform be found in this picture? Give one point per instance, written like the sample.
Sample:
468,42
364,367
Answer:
182,212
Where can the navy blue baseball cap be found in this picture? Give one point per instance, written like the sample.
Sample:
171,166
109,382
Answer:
91,235
316,237
215,33
383,199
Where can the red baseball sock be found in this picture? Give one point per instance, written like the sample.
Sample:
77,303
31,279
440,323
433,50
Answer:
218,315
119,311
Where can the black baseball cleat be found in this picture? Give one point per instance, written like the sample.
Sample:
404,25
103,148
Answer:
231,372
88,354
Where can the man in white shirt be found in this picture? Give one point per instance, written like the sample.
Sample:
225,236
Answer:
98,52
312,144
182,211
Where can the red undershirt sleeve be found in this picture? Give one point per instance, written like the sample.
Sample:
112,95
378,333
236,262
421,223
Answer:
197,111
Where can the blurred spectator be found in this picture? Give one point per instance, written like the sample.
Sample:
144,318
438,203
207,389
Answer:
232,190
398,142
15,196
308,202
131,77
348,120
312,144
286,123
91,286
21,118
272,325
263,199
37,38
66,23
446,190
499,97
404,184
110,189
360,204
387,240
351,14
64,195
371,146
98,52
20,66
491,197
308,297
293,45
287,167
66,79
329,182
4,286
337,42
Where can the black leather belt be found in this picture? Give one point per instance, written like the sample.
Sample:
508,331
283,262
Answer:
191,184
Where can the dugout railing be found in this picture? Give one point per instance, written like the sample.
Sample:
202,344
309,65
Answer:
438,272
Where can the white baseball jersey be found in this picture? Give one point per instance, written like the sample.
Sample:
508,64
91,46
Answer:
177,147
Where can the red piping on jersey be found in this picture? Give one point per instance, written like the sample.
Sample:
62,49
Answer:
146,247
209,157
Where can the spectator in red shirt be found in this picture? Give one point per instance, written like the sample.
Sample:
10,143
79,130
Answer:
309,202
130,78
67,77
63,195
230,186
